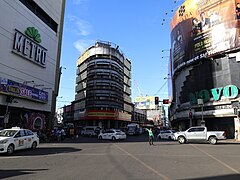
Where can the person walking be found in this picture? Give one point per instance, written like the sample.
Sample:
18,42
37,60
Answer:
236,135
150,136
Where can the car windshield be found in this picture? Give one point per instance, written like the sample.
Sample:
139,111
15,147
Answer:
7,133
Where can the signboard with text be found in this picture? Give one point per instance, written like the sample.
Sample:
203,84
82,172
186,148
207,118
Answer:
10,87
145,102
202,29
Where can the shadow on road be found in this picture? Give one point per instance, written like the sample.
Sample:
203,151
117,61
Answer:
224,177
43,151
7,173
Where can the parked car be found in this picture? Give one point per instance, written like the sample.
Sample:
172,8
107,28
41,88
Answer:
166,134
16,139
199,133
112,134
90,131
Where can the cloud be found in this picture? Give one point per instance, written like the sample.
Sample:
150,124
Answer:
82,27
81,45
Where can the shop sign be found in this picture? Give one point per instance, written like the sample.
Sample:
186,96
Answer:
10,87
27,46
230,92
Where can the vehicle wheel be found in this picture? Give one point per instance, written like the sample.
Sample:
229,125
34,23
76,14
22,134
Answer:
100,137
181,140
10,149
113,138
159,137
213,140
169,138
34,145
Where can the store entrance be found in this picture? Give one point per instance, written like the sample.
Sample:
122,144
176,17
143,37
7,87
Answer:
221,124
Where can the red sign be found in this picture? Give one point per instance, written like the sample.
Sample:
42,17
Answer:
190,114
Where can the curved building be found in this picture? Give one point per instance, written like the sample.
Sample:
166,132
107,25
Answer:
205,65
103,87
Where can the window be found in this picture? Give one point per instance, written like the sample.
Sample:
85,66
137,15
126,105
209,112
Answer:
22,133
192,130
28,133
200,129
32,6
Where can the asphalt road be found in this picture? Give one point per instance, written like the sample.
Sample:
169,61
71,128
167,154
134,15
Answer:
132,159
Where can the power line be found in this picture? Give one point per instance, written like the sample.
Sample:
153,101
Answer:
161,88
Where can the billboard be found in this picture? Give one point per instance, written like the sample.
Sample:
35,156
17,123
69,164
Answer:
145,102
202,29
13,88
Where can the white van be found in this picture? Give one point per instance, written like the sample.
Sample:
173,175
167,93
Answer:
133,129
90,131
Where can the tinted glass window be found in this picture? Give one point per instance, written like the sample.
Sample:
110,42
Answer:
192,130
200,129
22,133
28,133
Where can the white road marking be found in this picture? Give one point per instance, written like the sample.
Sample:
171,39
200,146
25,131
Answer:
219,161
144,164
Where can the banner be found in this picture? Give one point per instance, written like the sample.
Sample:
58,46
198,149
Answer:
13,88
202,29
145,102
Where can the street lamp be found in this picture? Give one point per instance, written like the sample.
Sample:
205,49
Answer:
163,50
46,88
38,85
26,82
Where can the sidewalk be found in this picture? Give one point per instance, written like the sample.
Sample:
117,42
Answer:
229,141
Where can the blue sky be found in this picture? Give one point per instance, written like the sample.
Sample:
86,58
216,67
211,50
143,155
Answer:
134,25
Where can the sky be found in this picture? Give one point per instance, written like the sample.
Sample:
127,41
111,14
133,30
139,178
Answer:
141,29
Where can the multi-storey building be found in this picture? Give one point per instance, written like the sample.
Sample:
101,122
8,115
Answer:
205,65
30,39
103,87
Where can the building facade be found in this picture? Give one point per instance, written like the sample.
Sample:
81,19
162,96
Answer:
154,110
103,87
30,39
205,66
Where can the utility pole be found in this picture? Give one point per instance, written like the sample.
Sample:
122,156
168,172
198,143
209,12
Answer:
200,102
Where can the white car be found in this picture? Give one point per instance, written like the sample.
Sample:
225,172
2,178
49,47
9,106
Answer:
112,134
90,131
166,134
16,139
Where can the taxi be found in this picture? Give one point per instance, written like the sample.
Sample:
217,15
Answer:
16,139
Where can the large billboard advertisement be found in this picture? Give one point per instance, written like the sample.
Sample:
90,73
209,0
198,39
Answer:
145,102
202,29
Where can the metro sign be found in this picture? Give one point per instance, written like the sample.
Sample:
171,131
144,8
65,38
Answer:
27,46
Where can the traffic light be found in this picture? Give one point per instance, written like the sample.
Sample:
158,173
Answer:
156,100
165,101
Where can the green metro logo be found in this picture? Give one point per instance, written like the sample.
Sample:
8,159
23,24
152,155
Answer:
32,32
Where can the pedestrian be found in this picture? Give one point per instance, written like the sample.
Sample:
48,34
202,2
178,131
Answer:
63,134
150,136
72,133
236,135
59,135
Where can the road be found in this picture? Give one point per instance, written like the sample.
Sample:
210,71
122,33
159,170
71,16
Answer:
132,159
